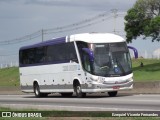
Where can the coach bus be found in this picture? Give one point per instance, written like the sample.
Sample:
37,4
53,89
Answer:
80,63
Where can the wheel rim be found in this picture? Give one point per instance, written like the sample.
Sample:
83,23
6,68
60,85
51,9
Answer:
78,89
36,91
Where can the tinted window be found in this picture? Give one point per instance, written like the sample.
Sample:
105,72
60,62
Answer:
40,54
27,56
61,52
57,53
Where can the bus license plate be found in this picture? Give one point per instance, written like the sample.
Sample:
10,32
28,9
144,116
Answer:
116,87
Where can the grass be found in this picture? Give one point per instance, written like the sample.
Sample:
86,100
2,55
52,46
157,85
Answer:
150,72
9,76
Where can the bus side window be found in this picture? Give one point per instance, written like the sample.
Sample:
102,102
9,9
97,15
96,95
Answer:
71,52
40,55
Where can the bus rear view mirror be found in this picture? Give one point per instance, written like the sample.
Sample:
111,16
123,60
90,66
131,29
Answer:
90,53
134,50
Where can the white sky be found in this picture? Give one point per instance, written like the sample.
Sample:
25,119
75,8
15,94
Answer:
21,17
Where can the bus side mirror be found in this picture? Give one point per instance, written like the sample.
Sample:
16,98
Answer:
90,53
135,51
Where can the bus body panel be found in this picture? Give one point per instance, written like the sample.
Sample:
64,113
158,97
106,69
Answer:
56,76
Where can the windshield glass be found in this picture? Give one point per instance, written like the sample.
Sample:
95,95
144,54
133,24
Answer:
111,59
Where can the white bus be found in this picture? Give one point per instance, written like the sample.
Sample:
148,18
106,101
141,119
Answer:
80,63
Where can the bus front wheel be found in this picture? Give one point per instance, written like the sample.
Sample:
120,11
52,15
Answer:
79,92
112,94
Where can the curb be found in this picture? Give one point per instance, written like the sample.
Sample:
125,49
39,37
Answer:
146,87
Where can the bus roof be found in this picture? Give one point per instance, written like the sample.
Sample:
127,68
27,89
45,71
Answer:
85,37
97,38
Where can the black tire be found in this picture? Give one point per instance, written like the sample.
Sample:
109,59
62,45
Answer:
112,94
79,92
37,92
66,94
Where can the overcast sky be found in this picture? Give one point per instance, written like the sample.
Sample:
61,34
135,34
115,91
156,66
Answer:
22,17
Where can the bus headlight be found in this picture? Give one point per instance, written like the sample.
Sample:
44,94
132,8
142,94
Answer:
130,79
97,79
94,78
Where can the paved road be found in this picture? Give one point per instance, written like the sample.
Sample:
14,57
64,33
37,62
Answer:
146,102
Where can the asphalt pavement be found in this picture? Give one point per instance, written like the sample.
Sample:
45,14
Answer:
100,102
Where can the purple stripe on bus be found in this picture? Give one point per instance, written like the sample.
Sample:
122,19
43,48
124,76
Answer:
45,43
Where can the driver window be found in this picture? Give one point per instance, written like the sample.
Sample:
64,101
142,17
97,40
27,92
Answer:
86,62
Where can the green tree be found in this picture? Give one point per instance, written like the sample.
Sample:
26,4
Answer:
143,19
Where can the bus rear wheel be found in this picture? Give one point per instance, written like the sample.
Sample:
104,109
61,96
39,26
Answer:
112,94
79,92
37,92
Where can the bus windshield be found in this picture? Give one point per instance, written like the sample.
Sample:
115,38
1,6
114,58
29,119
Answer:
110,59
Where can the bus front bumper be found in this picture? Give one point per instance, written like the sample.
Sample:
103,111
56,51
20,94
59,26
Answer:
99,87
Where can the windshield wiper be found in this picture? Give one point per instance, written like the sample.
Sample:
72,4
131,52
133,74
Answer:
104,67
